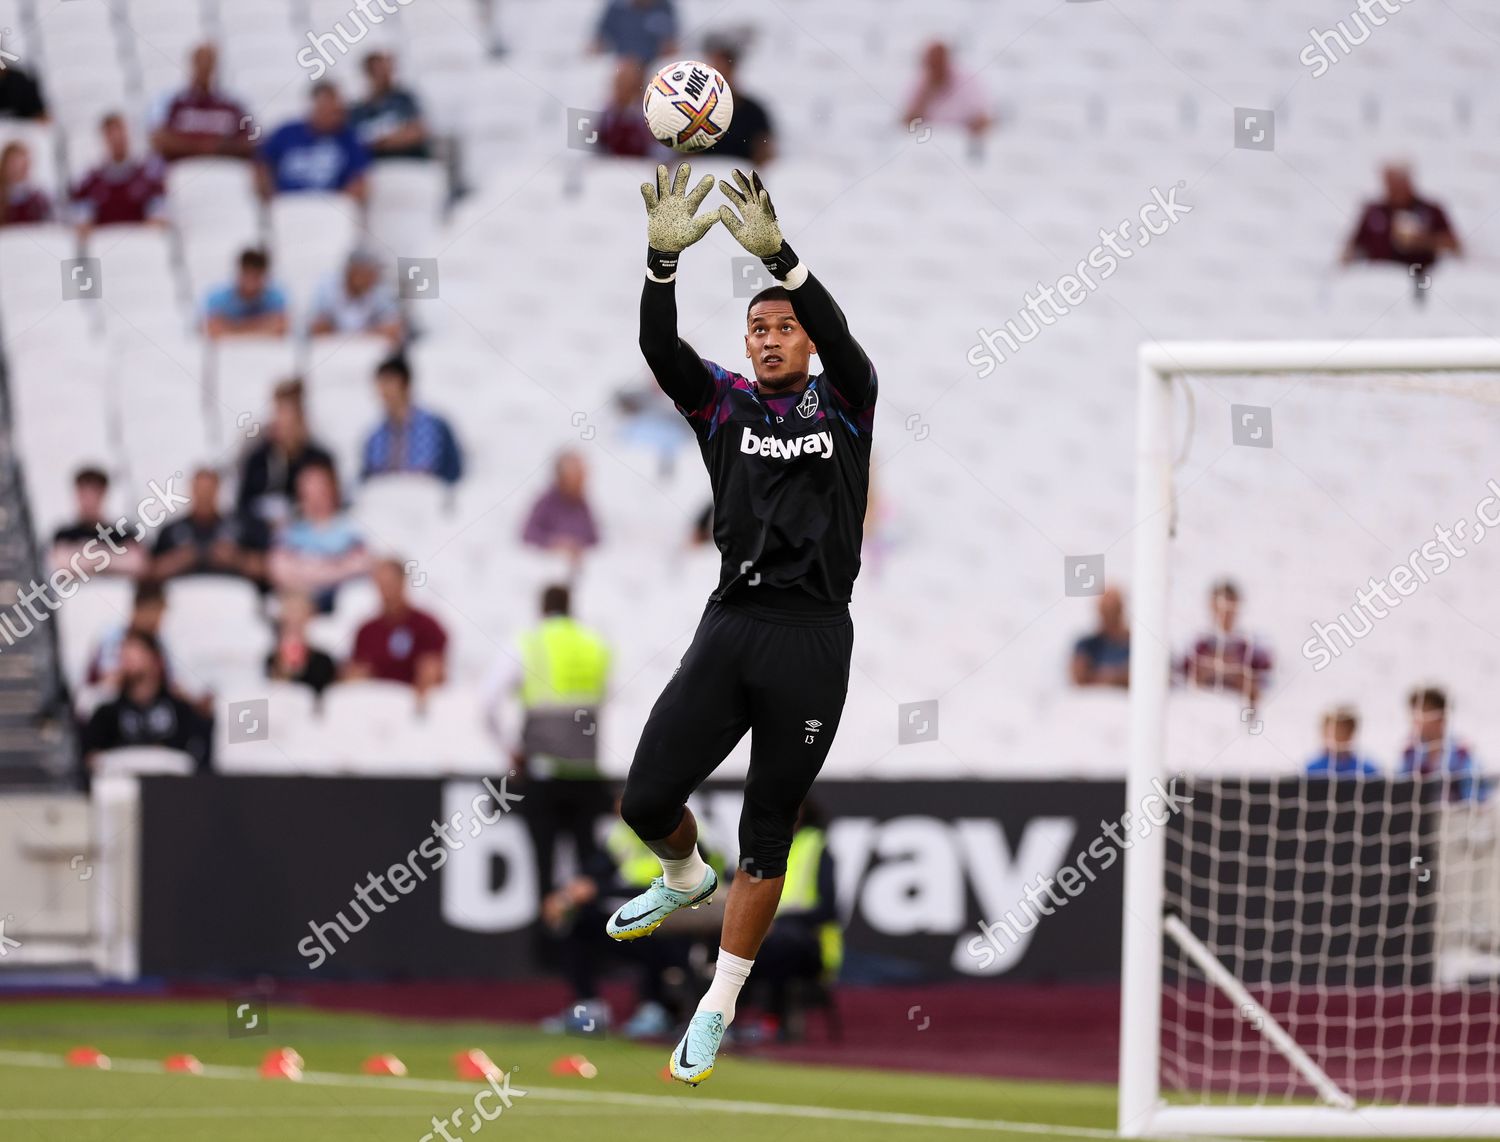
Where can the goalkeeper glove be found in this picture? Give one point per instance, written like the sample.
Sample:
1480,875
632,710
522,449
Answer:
670,225
758,230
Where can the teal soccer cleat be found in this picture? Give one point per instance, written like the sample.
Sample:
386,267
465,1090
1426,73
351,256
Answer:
641,915
693,1060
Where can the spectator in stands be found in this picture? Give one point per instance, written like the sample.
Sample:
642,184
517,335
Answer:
1402,227
623,130
321,548
401,643
943,96
642,30
21,202
561,520
357,301
1103,658
207,542
253,305
389,120
20,93
751,135
120,189
410,439
1224,659
268,474
319,153
1433,753
145,712
1340,757
90,535
147,610
293,658
560,672
201,119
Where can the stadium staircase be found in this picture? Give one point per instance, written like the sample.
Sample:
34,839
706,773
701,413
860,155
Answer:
35,733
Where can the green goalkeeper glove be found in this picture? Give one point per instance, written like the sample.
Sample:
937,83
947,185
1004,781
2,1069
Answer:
757,231
670,223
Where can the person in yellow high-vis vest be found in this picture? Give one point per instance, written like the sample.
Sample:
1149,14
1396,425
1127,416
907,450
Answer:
806,941
561,685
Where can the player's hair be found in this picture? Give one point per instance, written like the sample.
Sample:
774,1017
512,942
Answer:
110,117
557,600
770,293
1225,589
290,390
255,259
149,591
1428,698
397,366
323,87
1342,716
97,477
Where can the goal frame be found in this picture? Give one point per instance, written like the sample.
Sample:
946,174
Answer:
1142,1111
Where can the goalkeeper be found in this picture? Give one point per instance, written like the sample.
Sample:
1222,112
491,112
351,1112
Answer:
788,457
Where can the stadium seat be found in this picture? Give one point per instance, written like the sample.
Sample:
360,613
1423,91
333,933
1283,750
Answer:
214,628
103,603
406,205
144,761
311,234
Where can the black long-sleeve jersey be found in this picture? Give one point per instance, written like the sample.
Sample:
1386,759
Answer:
790,473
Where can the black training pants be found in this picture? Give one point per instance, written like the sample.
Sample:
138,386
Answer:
784,680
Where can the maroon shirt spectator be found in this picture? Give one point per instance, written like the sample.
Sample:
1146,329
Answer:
120,189
201,119
20,201
401,643
622,129
1402,227
560,520
1224,658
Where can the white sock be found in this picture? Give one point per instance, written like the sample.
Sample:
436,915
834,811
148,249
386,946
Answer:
730,974
683,875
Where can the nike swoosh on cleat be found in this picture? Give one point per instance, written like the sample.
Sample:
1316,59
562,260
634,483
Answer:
632,919
682,1057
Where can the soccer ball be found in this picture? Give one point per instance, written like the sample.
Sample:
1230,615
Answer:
688,106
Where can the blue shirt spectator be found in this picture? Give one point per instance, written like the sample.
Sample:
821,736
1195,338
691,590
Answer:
251,304
1330,764
319,153
639,29
1103,658
1340,757
410,439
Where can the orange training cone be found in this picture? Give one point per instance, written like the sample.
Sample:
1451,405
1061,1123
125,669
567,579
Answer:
281,1063
474,1064
574,1065
384,1065
183,1064
88,1057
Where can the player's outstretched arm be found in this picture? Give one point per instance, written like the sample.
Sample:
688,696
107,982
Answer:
671,227
757,229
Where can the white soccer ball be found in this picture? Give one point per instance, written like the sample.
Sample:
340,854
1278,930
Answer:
688,106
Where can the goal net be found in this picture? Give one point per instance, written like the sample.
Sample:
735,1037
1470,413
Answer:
1312,944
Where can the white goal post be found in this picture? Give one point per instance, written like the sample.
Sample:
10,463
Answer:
1319,1107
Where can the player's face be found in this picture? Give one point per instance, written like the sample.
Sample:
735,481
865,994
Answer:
777,346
